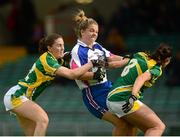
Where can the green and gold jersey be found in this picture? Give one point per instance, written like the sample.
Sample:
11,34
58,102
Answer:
139,64
39,77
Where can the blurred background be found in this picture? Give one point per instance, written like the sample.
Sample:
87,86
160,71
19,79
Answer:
125,26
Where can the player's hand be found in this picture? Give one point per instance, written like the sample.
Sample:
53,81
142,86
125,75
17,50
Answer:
66,58
99,74
129,104
103,59
129,56
98,62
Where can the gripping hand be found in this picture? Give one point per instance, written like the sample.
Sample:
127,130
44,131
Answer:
99,74
67,59
129,104
103,59
67,56
98,63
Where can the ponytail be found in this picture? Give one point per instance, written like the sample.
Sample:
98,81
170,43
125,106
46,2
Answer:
163,52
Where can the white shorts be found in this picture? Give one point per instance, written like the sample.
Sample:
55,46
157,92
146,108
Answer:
116,107
11,102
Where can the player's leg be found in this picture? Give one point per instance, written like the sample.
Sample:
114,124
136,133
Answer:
146,120
27,125
119,128
120,125
131,130
34,112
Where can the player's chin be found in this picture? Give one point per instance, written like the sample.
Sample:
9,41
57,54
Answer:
59,56
93,39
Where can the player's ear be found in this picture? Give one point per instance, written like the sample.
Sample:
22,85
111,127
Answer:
49,48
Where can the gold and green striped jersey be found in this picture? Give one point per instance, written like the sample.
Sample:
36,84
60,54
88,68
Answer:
39,77
139,64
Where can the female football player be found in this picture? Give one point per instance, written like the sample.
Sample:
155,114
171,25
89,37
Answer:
20,98
124,99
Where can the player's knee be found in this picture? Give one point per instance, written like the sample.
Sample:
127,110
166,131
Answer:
43,121
120,123
161,126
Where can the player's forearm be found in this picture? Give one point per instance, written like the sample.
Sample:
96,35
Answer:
137,86
79,72
114,58
140,80
117,64
86,76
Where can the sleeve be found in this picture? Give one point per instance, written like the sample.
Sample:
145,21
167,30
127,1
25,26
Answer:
75,59
79,56
50,65
107,52
155,71
73,64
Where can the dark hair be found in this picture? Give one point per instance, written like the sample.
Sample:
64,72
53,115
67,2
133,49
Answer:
163,52
47,41
82,22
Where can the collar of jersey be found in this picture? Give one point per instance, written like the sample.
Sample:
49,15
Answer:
51,55
151,62
83,44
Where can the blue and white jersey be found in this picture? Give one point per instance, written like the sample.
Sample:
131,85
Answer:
81,54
